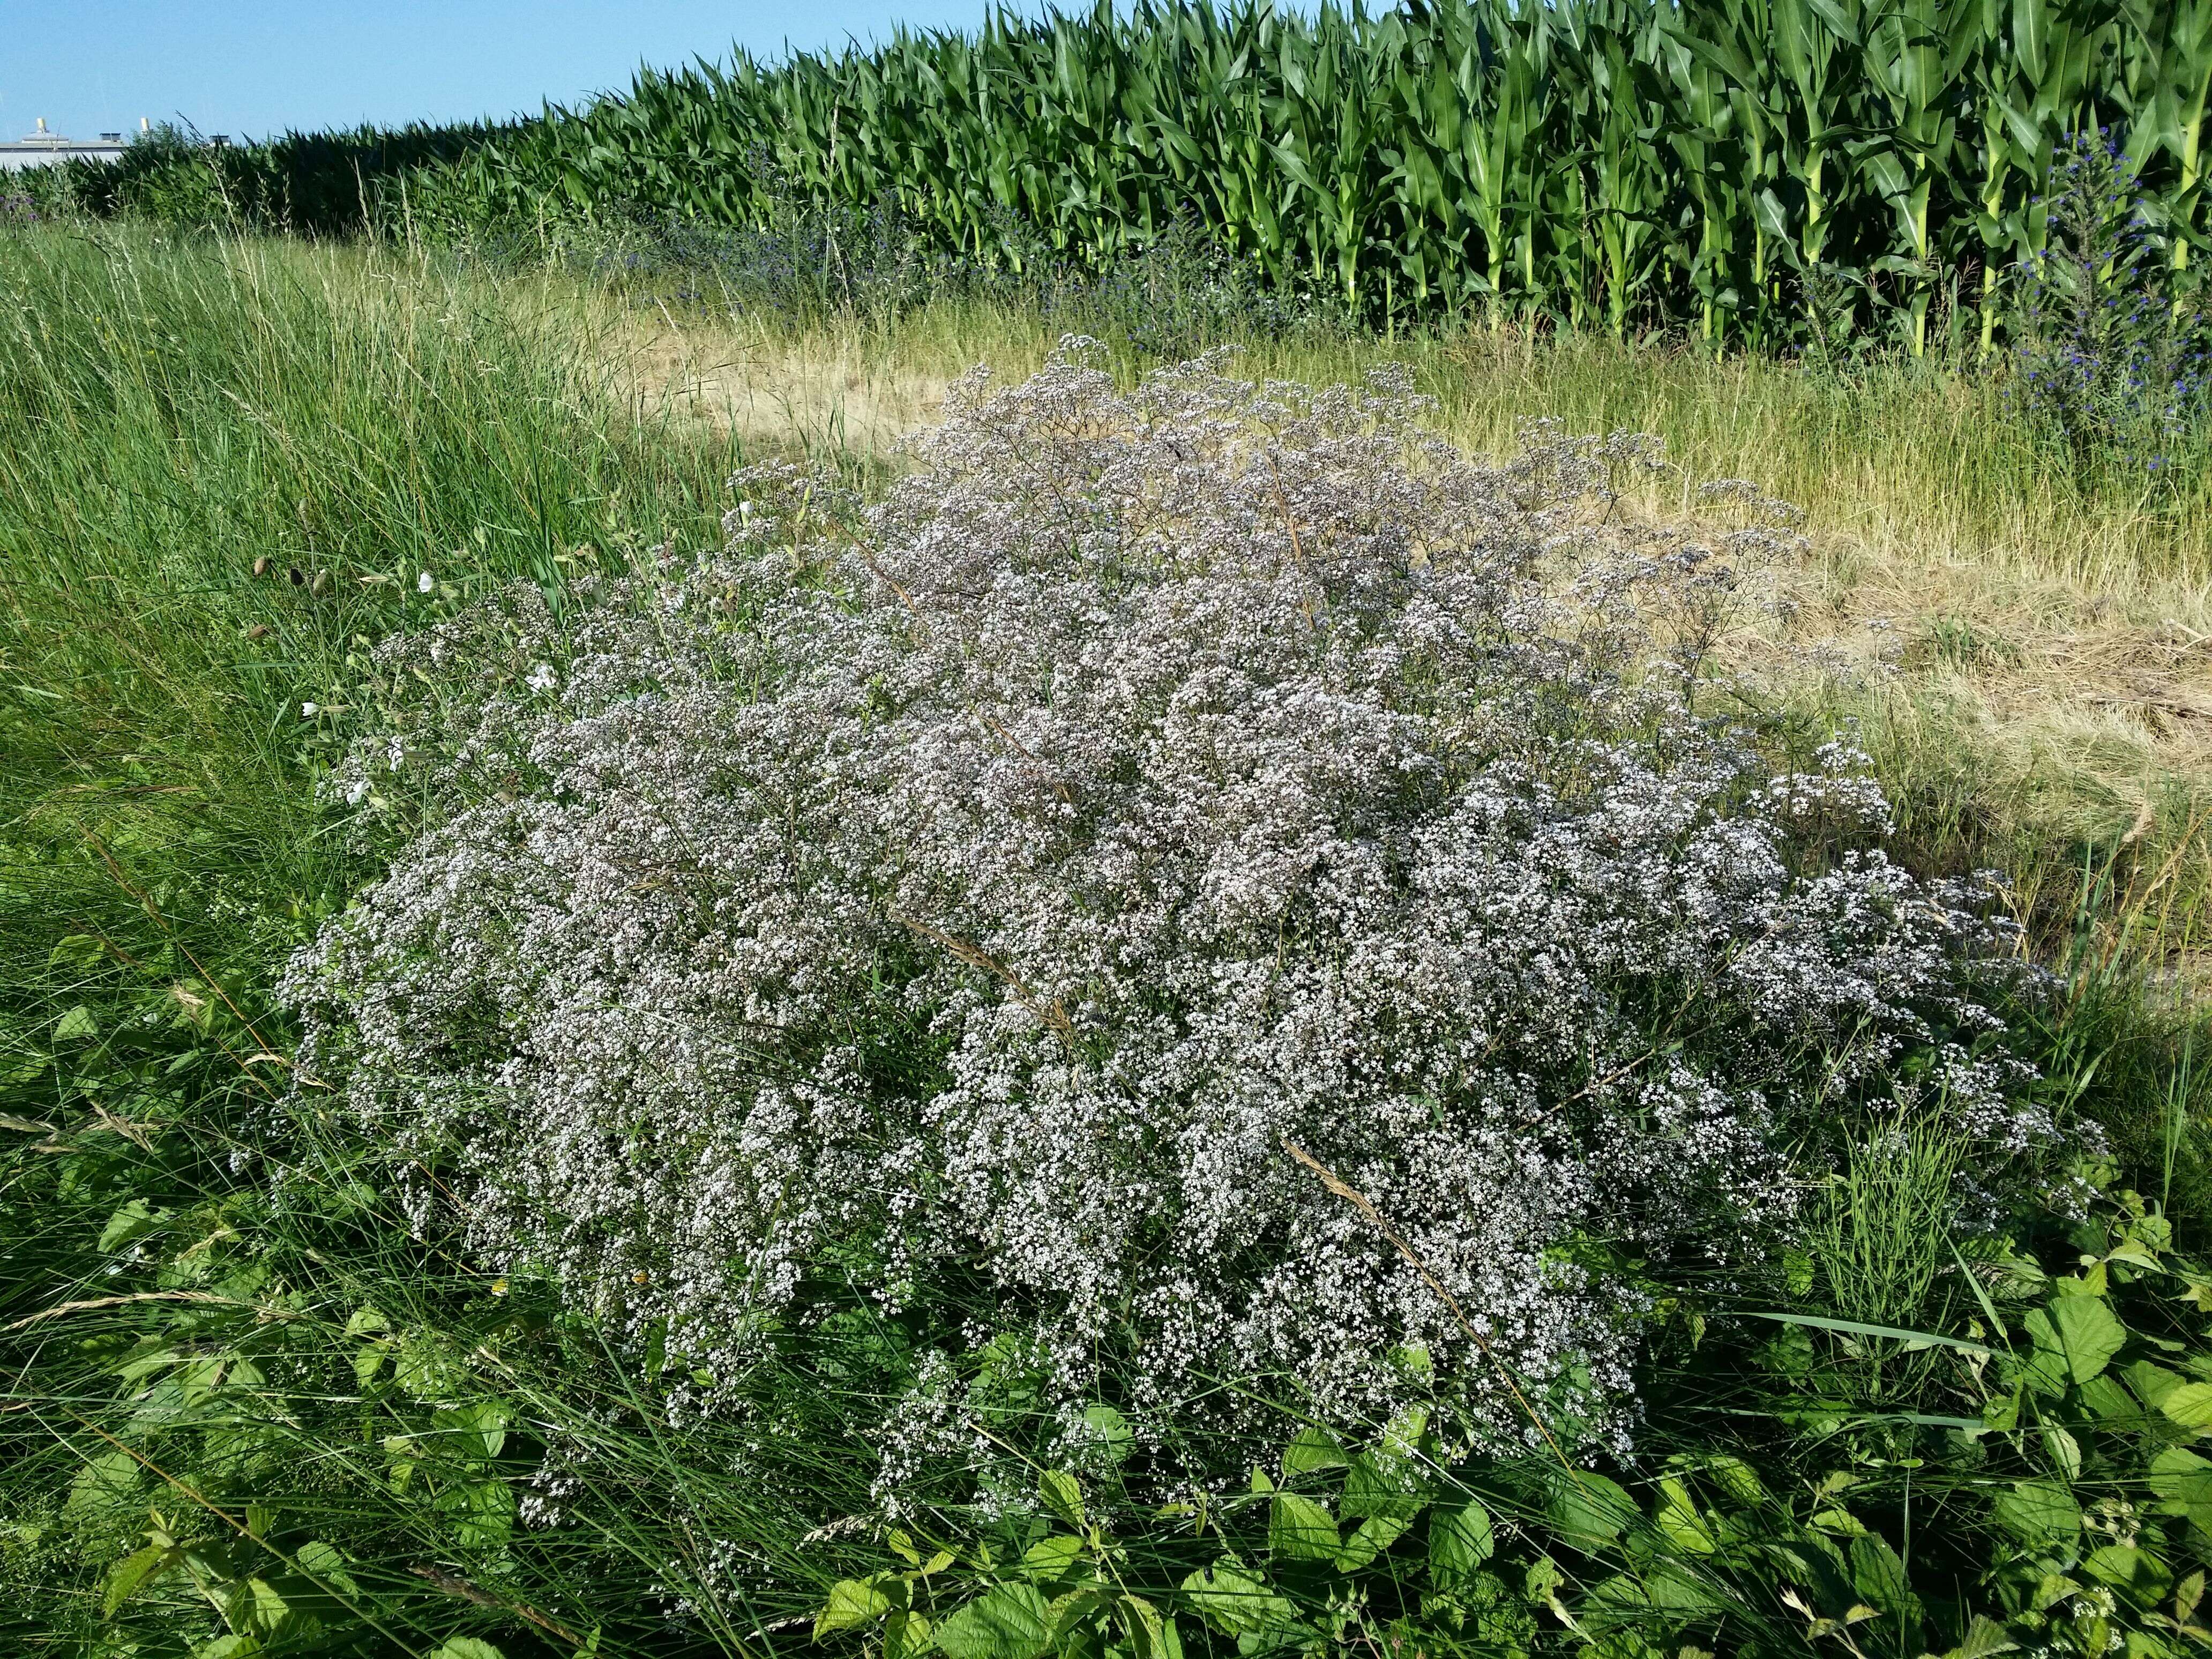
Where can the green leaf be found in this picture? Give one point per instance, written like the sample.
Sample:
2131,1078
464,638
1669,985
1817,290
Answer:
906,1633
1736,1478
425,1370
1052,1557
78,950
481,1511
1984,1637
2151,1382
1376,1486
1007,1623
2182,1482
2190,1405
1062,1497
1153,1634
327,1564
1299,1530
1313,1447
256,1606
1460,1541
466,1647
367,1360
1109,1431
134,1572
108,1481
2111,1403
1369,1540
1589,1509
132,1222
2038,1511
1878,1573
2135,1573
1234,1602
77,1025
1680,1522
2089,1334
2064,1451
476,1431
852,1602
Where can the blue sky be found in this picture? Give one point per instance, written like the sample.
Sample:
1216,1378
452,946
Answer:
250,68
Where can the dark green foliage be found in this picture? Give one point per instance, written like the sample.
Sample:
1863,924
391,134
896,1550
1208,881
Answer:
311,182
2116,365
1739,167
2039,1484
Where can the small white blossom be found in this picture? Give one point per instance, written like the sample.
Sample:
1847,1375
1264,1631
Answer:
989,885
424,582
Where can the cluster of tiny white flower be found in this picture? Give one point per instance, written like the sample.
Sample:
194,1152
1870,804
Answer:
989,885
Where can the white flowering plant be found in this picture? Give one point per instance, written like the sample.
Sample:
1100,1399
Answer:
976,916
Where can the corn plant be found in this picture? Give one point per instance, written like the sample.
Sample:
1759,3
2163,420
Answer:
1692,162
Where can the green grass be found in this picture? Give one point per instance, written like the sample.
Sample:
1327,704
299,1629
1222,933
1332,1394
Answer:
172,411
177,412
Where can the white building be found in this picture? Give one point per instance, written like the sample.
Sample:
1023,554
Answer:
39,148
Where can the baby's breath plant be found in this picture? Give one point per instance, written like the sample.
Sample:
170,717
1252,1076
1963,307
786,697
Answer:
997,898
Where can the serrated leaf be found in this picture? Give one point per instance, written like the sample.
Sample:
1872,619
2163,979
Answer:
1377,1486
1679,1520
257,1605
1109,1431
2038,1511
852,1602
906,1633
476,1430
2064,1450
368,1361
327,1565
1300,1529
1052,1557
134,1572
132,1222
1736,1478
2189,1405
1878,1572
1062,1496
1985,1637
1589,1509
2152,1382
1460,1541
1369,1540
1312,1449
1234,1602
2135,1573
77,1025
2182,1482
1008,1623
2090,1334
425,1370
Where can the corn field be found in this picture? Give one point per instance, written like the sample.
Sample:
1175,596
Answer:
1746,169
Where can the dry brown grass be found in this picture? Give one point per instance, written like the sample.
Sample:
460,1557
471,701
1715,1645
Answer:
2032,664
